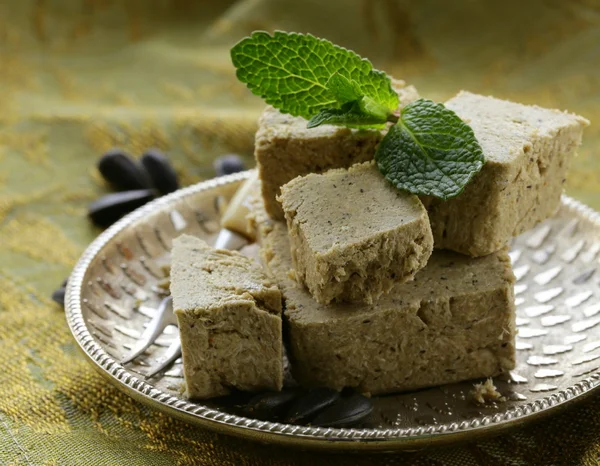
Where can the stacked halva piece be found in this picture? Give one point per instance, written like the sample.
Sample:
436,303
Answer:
367,304
382,291
229,317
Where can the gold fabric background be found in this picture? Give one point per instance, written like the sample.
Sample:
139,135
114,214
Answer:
78,77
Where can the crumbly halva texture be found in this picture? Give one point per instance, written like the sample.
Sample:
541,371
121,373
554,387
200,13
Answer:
455,321
285,148
353,235
486,392
527,152
229,316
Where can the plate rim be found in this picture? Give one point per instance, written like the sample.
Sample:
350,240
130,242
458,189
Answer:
320,437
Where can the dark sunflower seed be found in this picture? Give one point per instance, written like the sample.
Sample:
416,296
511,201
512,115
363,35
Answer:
228,164
309,405
122,172
59,296
110,208
345,412
270,405
234,402
161,171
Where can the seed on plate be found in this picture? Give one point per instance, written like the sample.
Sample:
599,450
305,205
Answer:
228,164
59,296
271,405
345,412
161,171
122,172
110,208
309,405
234,401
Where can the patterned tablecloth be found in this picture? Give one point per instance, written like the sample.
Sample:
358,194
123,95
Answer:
78,77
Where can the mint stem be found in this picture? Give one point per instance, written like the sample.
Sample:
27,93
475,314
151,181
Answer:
393,118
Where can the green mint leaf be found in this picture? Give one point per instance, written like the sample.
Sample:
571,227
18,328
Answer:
430,151
342,89
291,71
373,109
351,115
356,111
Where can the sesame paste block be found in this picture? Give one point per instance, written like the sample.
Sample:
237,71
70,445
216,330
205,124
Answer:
527,150
285,148
229,316
353,235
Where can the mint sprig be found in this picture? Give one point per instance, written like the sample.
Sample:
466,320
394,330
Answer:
301,75
351,115
428,149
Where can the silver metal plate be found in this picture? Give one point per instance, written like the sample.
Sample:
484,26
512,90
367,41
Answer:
117,283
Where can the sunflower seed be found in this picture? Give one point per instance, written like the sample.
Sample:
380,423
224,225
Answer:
309,405
270,405
59,296
228,164
122,172
110,208
234,401
346,411
161,171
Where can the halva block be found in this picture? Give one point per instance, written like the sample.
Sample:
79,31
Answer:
455,321
229,316
353,235
285,148
527,152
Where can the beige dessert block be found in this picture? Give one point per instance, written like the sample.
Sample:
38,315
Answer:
229,316
527,150
353,235
455,321
285,148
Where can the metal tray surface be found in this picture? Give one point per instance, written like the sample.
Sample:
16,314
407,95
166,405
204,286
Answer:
117,284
